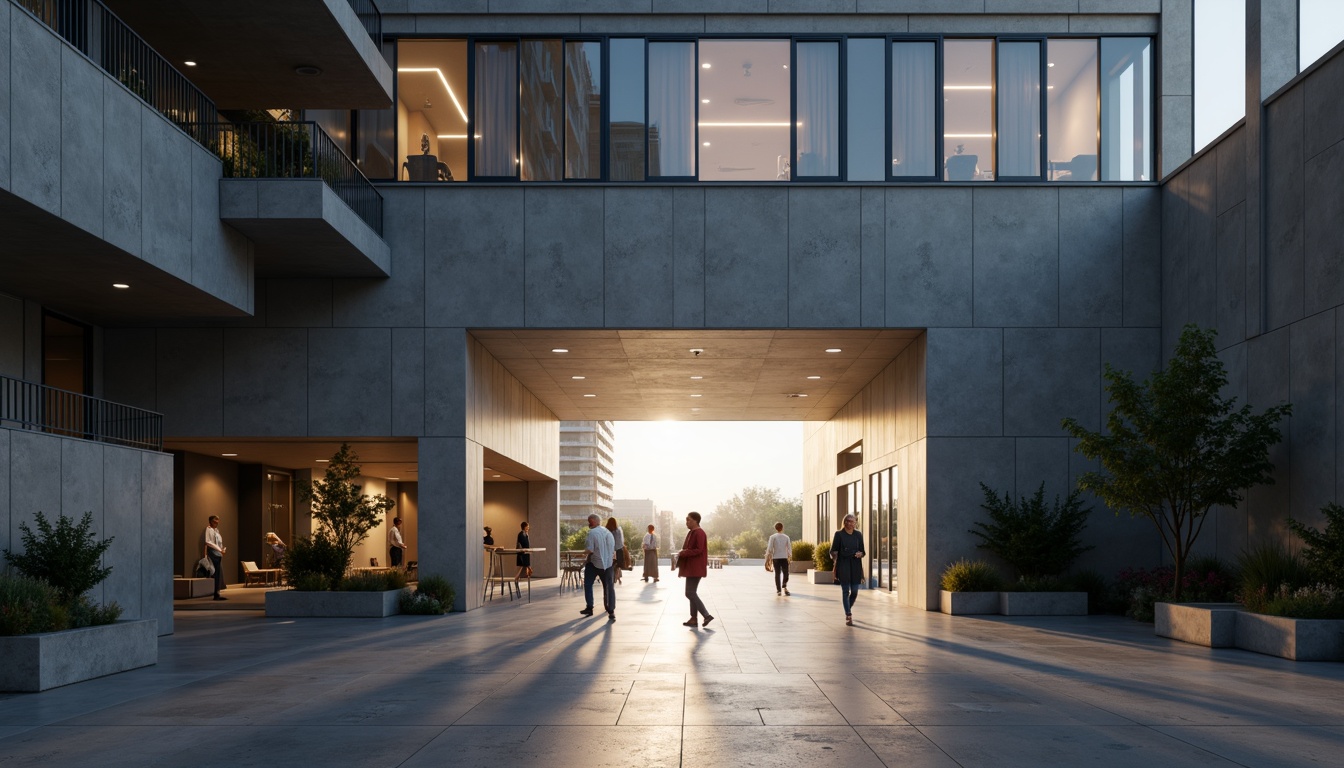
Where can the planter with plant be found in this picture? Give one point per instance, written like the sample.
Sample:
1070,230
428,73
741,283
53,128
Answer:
1038,541
434,595
51,633
823,564
802,557
969,587
317,567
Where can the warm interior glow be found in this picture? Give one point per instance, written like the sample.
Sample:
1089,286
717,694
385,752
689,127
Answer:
446,86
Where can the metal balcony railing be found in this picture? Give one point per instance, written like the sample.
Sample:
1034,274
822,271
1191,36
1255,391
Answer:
97,33
293,150
39,407
371,18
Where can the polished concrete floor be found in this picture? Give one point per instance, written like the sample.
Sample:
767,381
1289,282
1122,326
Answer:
774,681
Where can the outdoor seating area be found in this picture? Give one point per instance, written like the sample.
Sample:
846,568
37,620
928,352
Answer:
260,577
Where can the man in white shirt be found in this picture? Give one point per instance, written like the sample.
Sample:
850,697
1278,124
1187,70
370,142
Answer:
601,548
778,550
396,543
215,549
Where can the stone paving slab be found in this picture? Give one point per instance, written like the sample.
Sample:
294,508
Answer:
772,682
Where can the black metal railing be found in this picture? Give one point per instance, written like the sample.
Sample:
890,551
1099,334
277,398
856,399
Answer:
371,18
97,33
36,406
292,150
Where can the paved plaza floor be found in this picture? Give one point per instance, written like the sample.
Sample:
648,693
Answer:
774,681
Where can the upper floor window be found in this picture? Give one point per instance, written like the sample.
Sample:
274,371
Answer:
868,109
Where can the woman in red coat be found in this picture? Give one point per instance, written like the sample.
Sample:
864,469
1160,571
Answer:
693,565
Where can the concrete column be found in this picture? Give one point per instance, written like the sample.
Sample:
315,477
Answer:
543,513
1176,109
451,499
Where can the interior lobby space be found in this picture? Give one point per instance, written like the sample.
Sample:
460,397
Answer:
772,682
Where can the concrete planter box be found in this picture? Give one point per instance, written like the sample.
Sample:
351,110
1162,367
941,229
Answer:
1043,603
800,566
337,605
968,603
52,659
1209,624
1296,639
821,577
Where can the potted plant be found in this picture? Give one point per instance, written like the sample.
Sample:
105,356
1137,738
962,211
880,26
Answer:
1039,542
51,633
316,566
802,556
821,558
969,587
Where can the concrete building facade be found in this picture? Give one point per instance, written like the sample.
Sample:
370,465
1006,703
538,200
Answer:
931,332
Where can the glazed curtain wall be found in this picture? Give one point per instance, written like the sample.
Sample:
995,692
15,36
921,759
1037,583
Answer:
773,109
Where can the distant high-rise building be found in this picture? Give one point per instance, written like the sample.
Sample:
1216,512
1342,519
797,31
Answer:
587,449
641,512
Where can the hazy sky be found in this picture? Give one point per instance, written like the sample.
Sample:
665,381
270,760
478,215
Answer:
685,466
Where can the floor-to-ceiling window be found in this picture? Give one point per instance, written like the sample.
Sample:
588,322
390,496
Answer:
968,110
744,110
1073,110
824,528
882,528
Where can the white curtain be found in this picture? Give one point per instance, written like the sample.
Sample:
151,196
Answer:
913,98
671,109
1019,109
818,109
496,109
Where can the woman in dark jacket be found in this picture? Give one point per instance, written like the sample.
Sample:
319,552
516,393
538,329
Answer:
847,552
524,559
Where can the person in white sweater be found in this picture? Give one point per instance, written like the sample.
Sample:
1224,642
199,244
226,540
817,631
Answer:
778,550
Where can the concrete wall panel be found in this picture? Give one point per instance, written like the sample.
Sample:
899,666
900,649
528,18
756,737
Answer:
221,262
401,299
130,367
408,381
637,257
6,13
1202,264
300,303
11,336
82,491
563,260
1091,257
825,258
688,257
123,497
873,257
1324,123
1142,237
450,472
167,189
1312,434
956,467
34,148
190,366
1231,288
1040,460
1231,159
1323,245
1016,251
746,257
1136,350
1176,130
929,257
1284,207
82,143
1268,357
470,229
965,381
349,381
445,382
1037,392
6,465
1175,255
156,549
265,381
123,180
35,478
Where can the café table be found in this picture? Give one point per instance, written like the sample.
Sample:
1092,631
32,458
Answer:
495,573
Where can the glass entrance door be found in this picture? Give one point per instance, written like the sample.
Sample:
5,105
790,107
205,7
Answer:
882,529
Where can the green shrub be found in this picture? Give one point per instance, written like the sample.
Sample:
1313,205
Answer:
364,582
26,605
1034,538
1324,552
67,557
1314,601
1037,584
309,559
802,551
970,576
821,557
395,579
717,546
438,588
576,541
86,613
1266,569
420,604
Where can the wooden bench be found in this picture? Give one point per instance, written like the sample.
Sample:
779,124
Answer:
187,588
716,562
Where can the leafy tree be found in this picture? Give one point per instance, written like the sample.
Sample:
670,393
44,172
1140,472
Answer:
1174,447
1325,549
757,508
1036,539
65,556
346,514
750,543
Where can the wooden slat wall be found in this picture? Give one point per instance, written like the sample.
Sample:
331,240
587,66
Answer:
507,419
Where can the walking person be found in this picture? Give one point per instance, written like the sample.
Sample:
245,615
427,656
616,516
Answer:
618,561
396,544
215,549
777,552
651,556
524,559
693,565
847,552
601,548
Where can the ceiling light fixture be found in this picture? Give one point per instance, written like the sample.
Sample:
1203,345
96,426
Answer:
697,351
394,478
496,475
696,378
228,454
704,101
322,461
833,350
590,395
697,395
446,87
192,63
120,286
704,66
578,378
307,70
814,377
559,350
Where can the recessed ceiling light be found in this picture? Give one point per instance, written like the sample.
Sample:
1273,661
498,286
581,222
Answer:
228,454
189,63
322,461
833,350
590,395
706,144
814,377
488,469
1051,64
121,286
786,66
496,475
559,350
696,395
697,378
704,66
394,478
308,70
578,378
704,101
693,410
